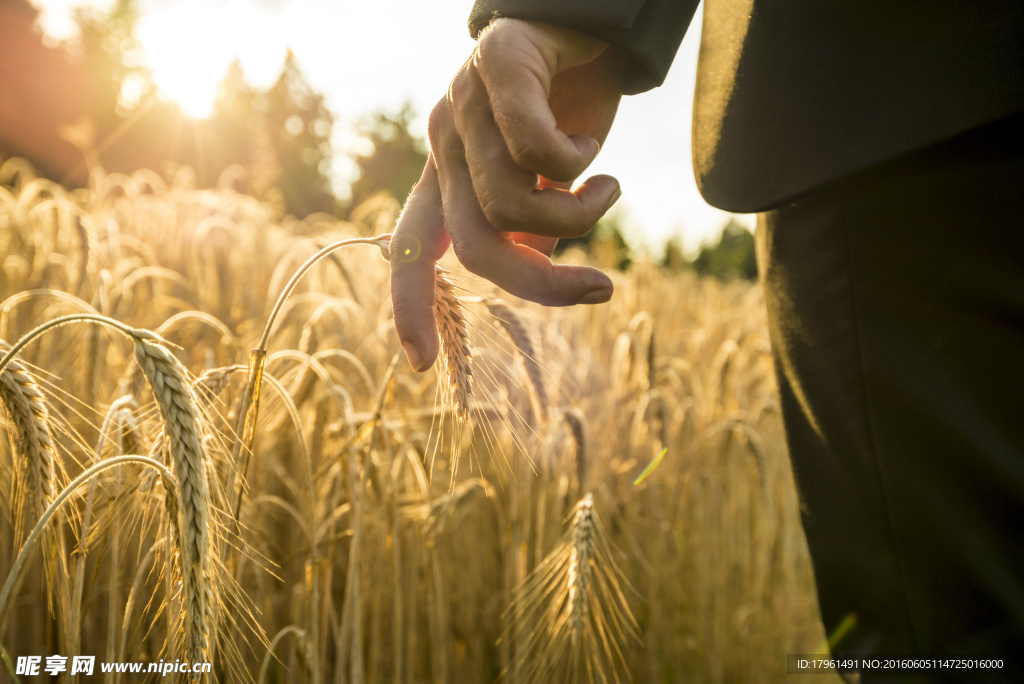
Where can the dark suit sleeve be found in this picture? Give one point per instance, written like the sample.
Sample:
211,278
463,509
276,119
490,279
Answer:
649,30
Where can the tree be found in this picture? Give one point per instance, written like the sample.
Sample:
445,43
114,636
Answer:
239,131
299,125
40,93
733,256
605,242
110,63
397,159
673,258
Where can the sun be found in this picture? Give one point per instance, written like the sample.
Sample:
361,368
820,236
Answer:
188,48
187,84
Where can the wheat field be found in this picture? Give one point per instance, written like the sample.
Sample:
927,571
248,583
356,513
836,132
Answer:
591,494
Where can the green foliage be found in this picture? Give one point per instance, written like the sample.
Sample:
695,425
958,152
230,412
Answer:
674,259
281,136
733,256
397,159
110,57
299,125
605,243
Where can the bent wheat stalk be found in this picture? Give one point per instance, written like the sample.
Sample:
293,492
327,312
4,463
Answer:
28,337
257,358
165,474
178,408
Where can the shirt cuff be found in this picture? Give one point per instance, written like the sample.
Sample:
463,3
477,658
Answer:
649,31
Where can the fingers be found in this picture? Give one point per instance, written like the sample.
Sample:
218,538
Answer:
491,253
421,238
508,193
418,242
544,245
517,61
531,105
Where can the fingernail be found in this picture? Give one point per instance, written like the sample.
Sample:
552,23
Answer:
586,141
615,196
598,296
413,354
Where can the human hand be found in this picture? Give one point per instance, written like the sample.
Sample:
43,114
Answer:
522,119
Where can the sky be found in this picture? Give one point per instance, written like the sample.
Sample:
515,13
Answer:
367,56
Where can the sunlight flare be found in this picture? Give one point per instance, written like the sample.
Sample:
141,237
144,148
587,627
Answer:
189,49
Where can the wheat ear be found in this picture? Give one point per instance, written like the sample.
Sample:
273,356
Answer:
570,616
456,352
513,324
29,427
214,381
181,416
581,557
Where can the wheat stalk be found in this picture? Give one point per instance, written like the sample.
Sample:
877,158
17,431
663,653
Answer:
119,412
58,500
182,421
257,358
577,423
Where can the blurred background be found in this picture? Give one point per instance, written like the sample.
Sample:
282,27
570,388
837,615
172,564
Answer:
348,546
323,104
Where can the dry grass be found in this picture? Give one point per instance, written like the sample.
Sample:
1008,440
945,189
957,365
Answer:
362,551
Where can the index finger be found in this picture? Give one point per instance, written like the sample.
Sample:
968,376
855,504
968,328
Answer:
418,242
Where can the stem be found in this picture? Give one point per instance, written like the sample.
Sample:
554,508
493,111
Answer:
132,594
265,665
302,271
257,359
134,333
59,499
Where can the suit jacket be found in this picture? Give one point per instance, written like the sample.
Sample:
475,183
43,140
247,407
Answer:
794,95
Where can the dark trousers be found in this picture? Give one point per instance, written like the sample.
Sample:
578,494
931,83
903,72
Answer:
896,310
